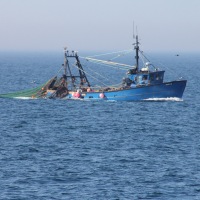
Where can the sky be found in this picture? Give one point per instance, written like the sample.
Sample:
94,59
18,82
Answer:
99,25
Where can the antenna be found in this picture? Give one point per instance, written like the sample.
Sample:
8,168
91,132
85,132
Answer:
136,31
133,30
136,46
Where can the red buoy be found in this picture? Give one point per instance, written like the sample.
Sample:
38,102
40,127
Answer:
101,95
76,94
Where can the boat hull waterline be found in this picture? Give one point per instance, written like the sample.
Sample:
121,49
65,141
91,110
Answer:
173,89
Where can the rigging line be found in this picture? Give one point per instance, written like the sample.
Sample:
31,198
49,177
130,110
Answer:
114,67
164,66
92,61
59,70
171,71
111,66
115,57
123,54
98,74
90,75
141,52
118,84
110,53
83,61
142,58
96,86
55,74
108,62
147,59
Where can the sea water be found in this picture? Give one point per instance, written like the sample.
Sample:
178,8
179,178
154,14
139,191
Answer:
59,149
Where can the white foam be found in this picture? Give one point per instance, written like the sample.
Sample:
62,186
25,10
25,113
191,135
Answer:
111,101
80,99
24,98
164,99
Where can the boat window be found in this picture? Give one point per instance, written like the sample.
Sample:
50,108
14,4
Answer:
151,77
145,77
159,77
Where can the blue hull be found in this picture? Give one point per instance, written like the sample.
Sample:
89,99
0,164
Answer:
163,90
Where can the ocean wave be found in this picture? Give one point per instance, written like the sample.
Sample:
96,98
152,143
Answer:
25,98
164,99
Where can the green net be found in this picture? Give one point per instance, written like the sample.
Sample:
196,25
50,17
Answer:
33,93
38,92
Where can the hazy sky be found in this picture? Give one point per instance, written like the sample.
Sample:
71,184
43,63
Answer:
163,25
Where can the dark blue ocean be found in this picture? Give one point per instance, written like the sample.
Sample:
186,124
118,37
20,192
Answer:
64,149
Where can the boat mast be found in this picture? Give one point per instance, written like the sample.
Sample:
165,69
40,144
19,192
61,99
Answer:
65,61
83,77
66,65
137,53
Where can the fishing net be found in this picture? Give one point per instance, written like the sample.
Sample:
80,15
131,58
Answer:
38,92
33,93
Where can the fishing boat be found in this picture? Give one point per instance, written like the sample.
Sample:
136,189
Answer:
140,82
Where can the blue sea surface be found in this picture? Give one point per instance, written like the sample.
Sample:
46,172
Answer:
65,149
